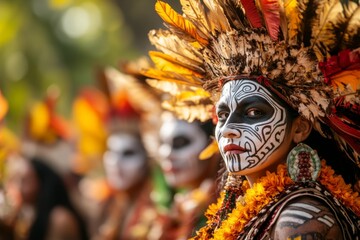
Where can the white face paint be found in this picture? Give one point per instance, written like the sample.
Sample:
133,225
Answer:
251,125
181,144
125,161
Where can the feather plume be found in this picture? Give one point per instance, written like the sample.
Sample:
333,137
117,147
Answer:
233,11
352,33
165,86
320,25
271,15
189,80
329,35
292,13
350,26
194,96
166,63
218,20
171,17
209,151
252,13
180,50
190,112
195,11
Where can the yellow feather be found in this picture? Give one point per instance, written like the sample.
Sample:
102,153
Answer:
346,81
194,96
164,86
195,11
166,63
218,19
173,77
3,106
209,151
188,111
353,27
39,121
327,11
182,51
293,17
171,17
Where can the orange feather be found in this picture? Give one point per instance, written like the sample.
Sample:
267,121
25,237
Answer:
171,17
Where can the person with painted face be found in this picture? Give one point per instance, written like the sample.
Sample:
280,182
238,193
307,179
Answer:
284,80
131,209
192,179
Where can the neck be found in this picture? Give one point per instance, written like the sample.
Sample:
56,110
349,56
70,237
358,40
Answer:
255,176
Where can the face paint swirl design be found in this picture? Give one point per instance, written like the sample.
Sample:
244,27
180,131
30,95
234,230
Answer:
251,124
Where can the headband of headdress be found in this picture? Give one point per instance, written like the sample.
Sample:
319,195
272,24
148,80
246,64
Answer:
306,52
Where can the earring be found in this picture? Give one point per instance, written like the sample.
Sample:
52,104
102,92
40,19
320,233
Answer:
303,163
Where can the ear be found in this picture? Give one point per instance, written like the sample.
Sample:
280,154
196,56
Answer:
301,129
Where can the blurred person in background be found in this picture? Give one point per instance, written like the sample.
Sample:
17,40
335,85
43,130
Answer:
8,144
130,210
192,179
41,207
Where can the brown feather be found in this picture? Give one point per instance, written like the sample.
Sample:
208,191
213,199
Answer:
194,10
218,19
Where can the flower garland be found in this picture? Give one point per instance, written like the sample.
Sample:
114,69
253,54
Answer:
261,193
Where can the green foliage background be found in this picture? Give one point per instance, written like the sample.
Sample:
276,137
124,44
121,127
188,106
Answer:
40,49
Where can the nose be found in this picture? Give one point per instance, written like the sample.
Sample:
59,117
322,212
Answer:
165,151
231,132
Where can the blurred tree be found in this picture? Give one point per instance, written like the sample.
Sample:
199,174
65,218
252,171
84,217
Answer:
48,45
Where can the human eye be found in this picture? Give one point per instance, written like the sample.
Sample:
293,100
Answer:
223,115
222,112
254,113
128,153
180,142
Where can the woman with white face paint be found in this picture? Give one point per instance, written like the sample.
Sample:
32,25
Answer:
130,210
284,80
193,180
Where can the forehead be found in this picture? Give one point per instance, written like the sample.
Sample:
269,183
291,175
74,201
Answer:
175,127
120,141
240,89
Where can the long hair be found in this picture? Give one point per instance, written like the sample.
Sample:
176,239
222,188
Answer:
52,193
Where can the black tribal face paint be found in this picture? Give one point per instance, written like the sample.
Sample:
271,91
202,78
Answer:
251,124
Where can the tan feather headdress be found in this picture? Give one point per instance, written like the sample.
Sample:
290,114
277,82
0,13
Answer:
305,51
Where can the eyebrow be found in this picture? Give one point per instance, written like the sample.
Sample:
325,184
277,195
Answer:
222,106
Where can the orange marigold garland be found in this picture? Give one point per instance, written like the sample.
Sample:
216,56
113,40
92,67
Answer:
261,194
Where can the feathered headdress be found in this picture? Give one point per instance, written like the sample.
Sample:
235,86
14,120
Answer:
305,51
44,124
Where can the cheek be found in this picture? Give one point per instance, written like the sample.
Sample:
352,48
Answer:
133,165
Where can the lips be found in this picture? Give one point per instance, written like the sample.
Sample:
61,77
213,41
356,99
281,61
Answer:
234,149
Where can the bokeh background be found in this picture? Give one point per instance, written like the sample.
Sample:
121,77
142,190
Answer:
57,45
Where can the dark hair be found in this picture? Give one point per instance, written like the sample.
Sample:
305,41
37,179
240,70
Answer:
327,149
52,193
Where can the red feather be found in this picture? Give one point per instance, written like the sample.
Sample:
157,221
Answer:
252,13
271,14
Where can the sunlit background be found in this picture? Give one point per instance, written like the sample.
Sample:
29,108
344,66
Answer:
57,45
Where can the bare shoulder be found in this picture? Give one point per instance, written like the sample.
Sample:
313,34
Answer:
306,218
63,224
62,217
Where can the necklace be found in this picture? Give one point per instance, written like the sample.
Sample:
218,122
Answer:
254,198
